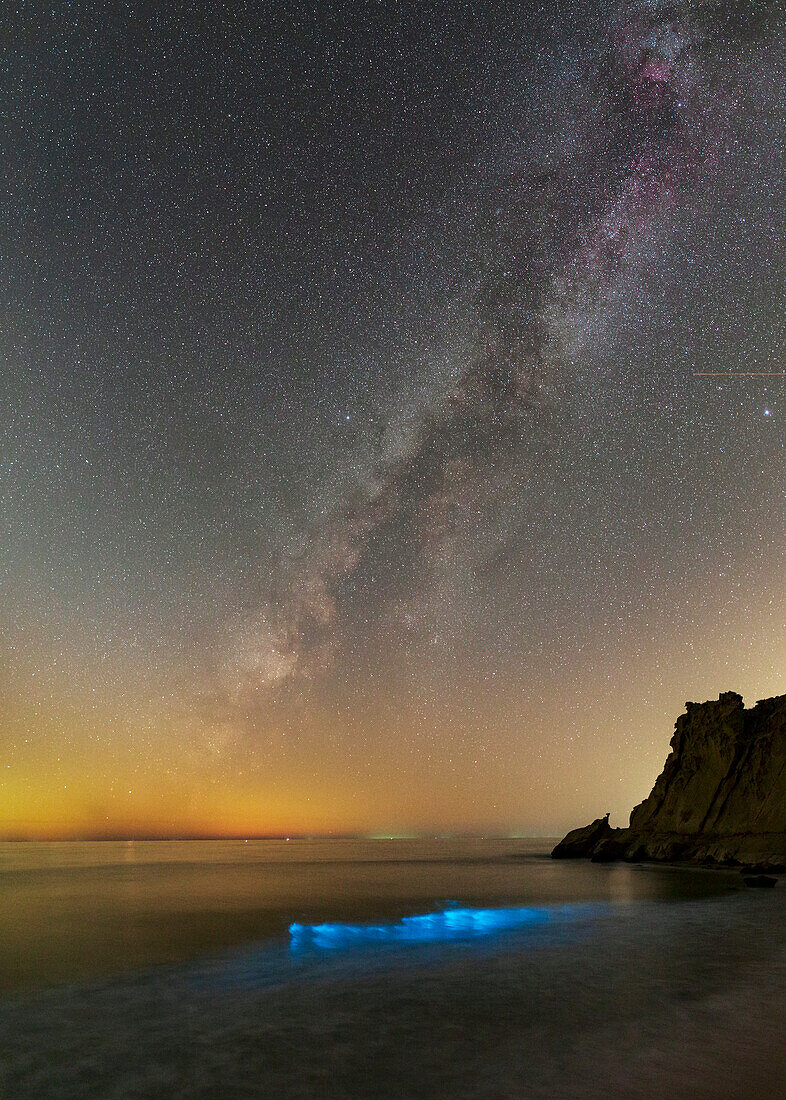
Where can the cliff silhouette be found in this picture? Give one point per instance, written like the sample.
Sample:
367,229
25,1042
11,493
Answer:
720,799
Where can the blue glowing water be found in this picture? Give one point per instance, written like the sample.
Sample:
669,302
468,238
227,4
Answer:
449,924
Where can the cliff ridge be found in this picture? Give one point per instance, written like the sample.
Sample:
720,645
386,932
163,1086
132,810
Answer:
721,797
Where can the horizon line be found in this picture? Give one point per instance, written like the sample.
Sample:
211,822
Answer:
245,838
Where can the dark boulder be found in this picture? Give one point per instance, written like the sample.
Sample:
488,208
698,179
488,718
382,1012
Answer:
582,843
610,848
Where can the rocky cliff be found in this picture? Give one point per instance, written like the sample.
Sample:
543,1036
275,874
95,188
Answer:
721,797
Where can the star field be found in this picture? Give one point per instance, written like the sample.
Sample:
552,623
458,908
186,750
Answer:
392,408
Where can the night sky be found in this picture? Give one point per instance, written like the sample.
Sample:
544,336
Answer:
391,410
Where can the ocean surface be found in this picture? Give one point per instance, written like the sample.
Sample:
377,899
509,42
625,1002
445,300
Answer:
382,968
81,910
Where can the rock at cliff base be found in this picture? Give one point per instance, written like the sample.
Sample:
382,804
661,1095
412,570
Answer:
581,843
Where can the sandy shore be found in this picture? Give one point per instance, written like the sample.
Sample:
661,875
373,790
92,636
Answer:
677,999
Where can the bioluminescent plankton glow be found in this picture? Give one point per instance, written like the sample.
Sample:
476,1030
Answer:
459,923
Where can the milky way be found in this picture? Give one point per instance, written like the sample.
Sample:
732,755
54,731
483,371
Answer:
664,84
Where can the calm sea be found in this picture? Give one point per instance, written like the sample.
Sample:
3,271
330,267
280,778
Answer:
83,910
